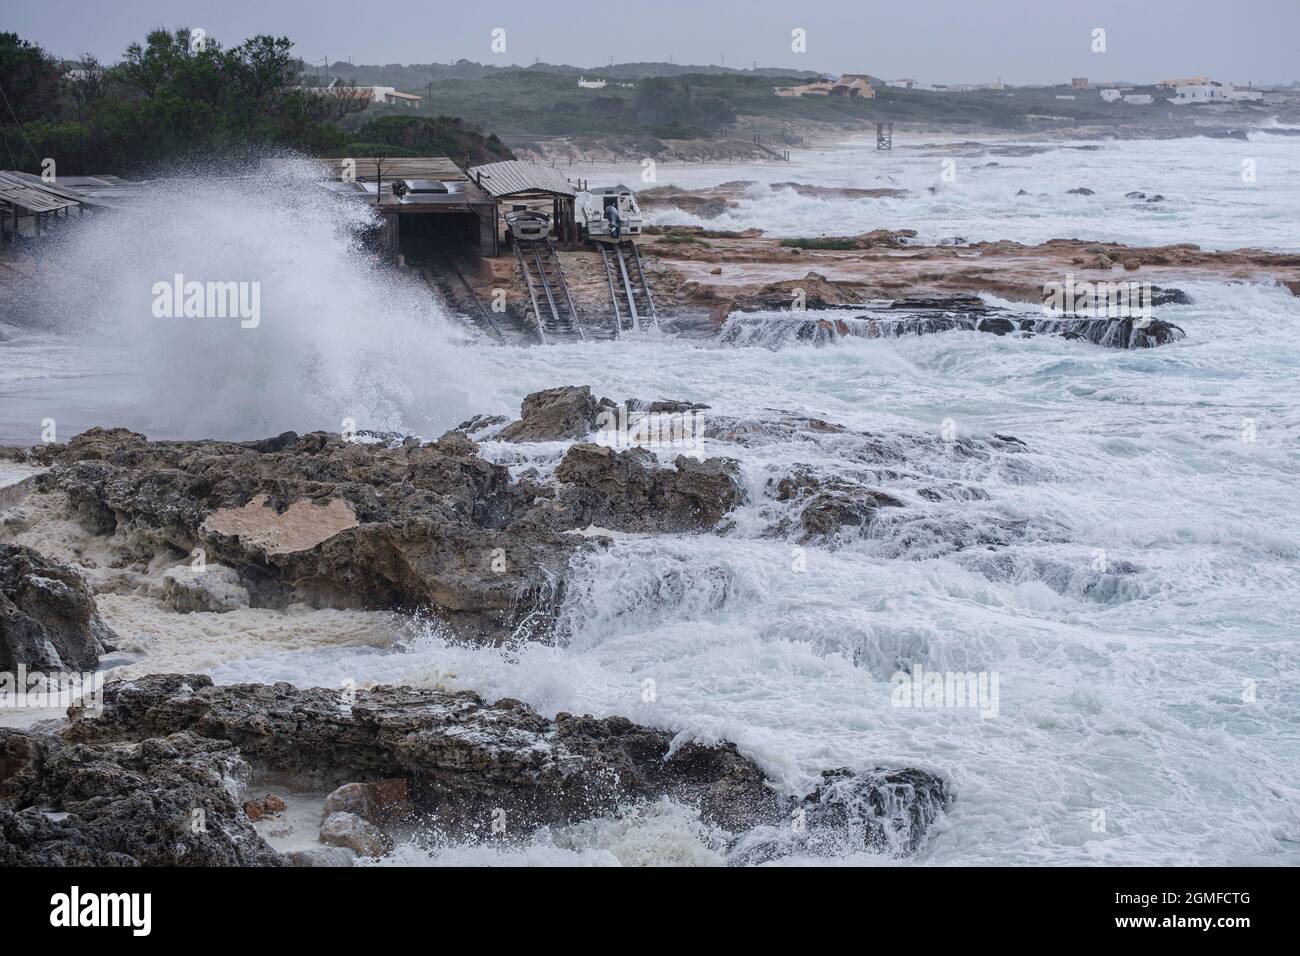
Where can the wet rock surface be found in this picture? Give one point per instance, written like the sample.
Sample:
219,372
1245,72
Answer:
627,491
935,314
48,617
395,523
827,506
351,832
390,524
163,801
554,414
125,785
322,521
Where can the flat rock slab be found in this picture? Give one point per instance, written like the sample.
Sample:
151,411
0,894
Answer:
300,527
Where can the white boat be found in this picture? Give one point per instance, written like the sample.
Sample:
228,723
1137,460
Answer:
528,225
593,213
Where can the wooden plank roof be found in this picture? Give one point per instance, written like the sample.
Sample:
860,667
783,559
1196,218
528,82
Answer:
400,167
512,178
31,197
65,188
460,195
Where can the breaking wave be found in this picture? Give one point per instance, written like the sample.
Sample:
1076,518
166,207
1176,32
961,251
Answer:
338,336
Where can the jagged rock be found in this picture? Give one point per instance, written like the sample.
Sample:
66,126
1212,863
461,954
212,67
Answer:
322,856
996,325
1162,296
883,811
814,291
830,504
627,491
163,801
663,406
932,316
381,802
830,510
1082,191
481,423
554,414
214,588
941,303
273,804
269,806
352,832
463,759
48,617
325,522
433,526
278,443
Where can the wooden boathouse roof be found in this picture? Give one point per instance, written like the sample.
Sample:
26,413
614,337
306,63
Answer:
513,178
400,167
31,197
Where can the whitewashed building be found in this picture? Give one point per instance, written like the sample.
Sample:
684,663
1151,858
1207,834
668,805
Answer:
1138,99
367,94
587,84
1111,96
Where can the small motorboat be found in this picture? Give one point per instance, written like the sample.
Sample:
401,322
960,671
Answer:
528,225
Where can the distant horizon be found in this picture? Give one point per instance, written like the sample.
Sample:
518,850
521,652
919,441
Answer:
945,42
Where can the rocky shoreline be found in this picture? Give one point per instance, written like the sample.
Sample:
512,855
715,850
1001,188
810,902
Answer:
158,777
394,524
709,279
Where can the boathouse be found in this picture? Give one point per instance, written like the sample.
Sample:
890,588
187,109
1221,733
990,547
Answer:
518,186
425,199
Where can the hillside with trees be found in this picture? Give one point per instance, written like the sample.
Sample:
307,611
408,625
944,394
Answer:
172,99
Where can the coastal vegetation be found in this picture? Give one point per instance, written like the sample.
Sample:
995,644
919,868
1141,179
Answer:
181,97
428,136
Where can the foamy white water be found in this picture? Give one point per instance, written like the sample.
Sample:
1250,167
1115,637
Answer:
337,336
1132,699
1206,199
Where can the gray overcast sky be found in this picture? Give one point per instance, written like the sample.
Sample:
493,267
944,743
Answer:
944,41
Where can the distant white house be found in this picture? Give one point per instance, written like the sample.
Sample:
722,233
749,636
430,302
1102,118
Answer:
1209,92
368,94
1111,96
1138,99
587,84
904,84
1212,92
